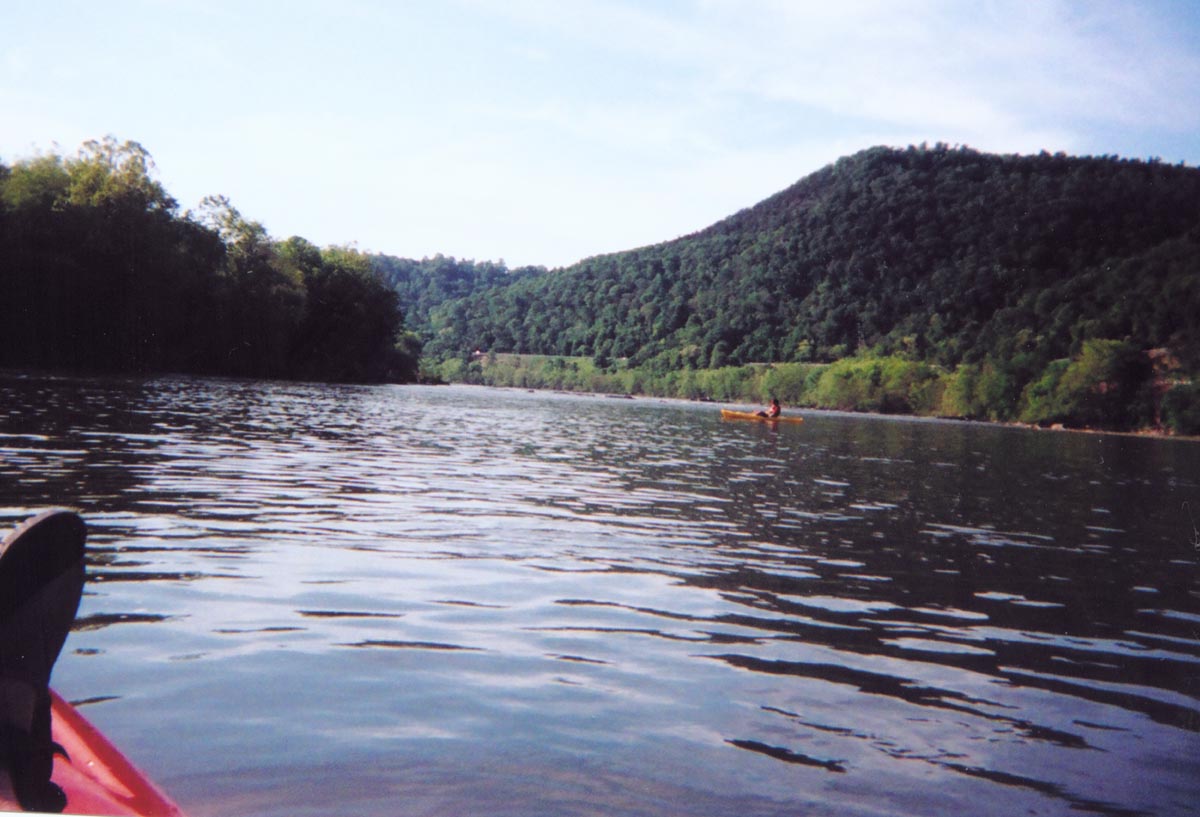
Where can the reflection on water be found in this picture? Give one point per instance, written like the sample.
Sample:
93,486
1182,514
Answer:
398,600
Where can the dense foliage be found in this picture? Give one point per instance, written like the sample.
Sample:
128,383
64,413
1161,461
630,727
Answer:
1106,387
100,272
993,267
427,284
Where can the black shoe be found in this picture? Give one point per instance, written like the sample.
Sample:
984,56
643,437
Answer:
41,581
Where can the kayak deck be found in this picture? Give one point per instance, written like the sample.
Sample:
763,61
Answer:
95,776
730,414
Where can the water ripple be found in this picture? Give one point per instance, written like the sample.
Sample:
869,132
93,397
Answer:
852,616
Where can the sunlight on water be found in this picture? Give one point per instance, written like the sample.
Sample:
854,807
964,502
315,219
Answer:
391,600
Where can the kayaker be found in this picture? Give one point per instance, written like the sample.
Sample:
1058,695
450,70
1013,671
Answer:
772,411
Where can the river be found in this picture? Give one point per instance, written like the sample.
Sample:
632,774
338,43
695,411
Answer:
390,600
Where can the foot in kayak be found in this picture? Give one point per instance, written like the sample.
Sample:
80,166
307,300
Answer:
41,581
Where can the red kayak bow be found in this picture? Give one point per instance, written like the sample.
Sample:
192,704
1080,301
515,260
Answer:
95,776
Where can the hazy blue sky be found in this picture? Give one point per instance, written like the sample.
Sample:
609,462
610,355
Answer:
545,131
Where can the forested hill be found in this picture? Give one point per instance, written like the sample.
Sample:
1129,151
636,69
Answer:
940,254
100,272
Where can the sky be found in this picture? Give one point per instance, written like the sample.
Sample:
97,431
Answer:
547,131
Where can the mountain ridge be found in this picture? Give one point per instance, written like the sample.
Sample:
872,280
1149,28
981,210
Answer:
944,254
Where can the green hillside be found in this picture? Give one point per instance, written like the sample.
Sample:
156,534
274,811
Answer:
944,256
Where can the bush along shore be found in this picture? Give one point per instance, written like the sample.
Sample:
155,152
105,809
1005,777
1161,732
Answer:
1110,385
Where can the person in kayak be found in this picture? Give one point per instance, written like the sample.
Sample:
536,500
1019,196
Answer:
772,411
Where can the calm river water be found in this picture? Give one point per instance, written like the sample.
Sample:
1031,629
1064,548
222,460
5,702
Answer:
453,601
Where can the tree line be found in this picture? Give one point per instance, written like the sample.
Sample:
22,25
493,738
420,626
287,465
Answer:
1000,268
1109,385
1042,288
100,272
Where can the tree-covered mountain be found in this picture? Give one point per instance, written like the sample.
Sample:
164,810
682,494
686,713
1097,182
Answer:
425,285
940,254
937,280
99,272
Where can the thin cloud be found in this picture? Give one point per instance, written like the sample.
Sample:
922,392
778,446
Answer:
1016,69
543,132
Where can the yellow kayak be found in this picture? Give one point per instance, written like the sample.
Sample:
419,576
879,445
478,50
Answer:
730,414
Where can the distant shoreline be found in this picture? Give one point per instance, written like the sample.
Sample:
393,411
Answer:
1094,393
16,373
803,410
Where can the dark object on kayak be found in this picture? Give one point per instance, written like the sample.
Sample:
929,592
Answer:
730,414
55,759
93,774
41,581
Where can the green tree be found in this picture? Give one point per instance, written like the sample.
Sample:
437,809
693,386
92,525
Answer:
99,272
1107,386
1181,409
264,295
350,329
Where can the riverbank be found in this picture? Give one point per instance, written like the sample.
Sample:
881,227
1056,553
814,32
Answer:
1097,392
